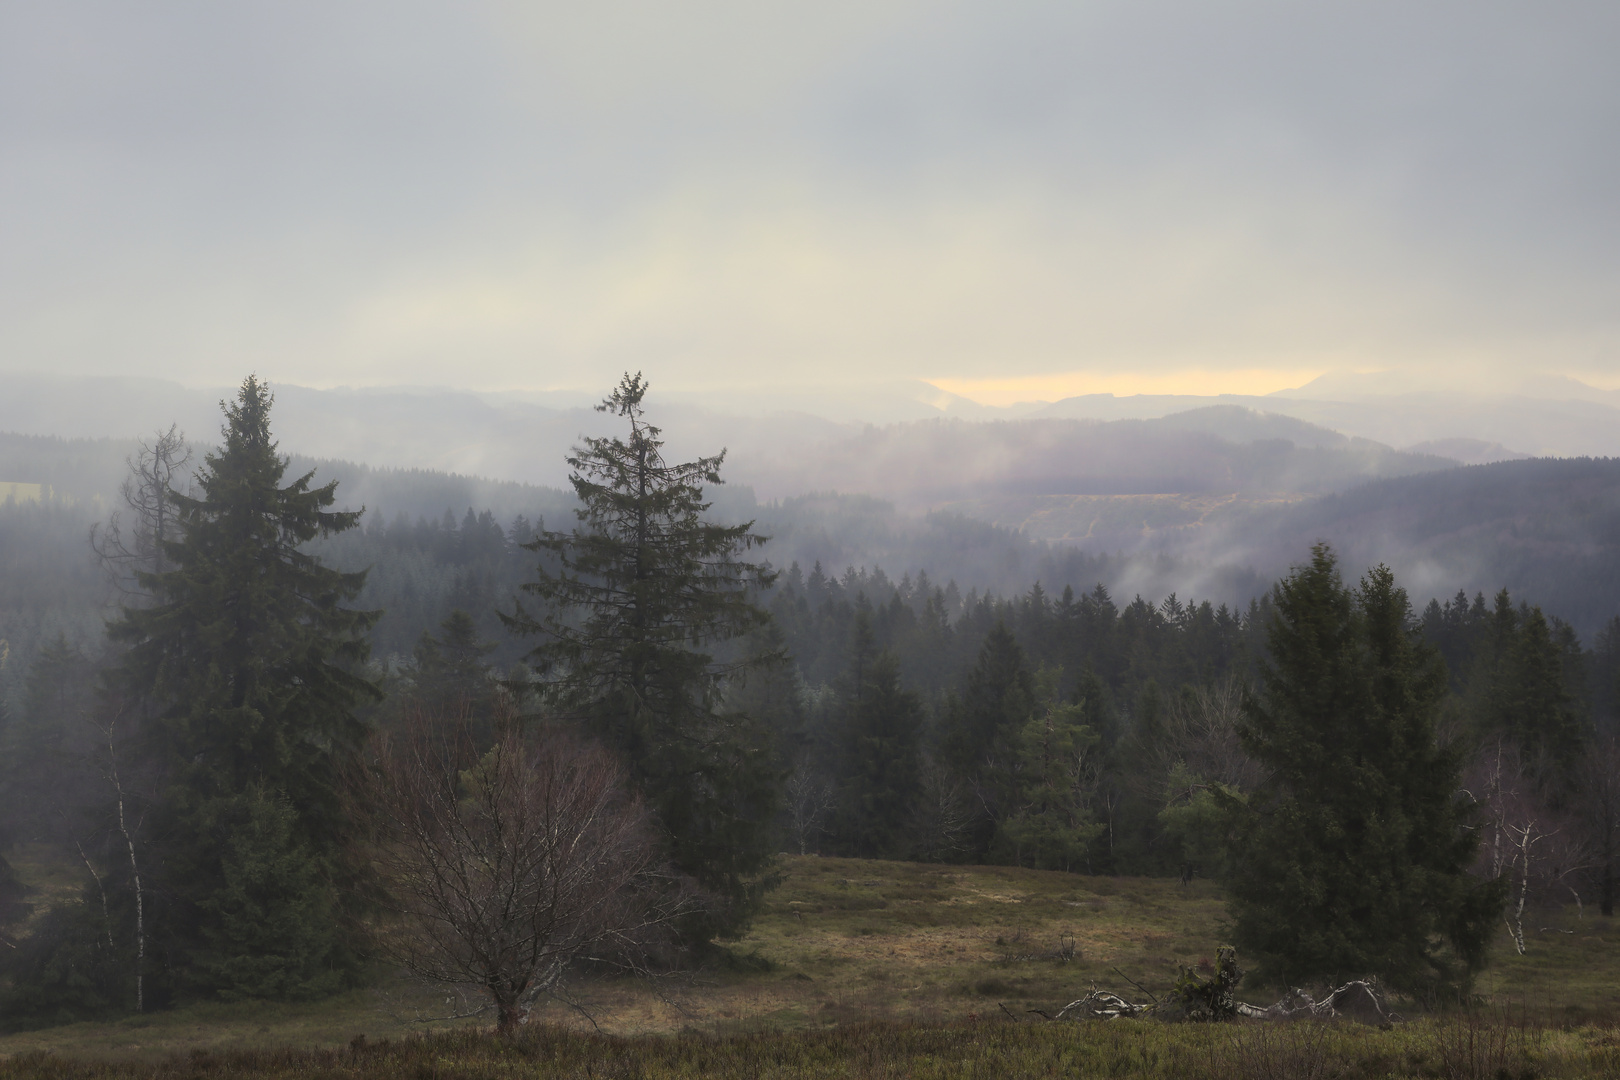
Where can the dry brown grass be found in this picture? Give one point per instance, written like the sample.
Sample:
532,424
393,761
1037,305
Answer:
848,940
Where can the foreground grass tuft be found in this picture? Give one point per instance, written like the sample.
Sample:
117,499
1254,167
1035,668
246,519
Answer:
1489,1047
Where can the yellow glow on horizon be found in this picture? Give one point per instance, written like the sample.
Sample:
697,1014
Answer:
1200,381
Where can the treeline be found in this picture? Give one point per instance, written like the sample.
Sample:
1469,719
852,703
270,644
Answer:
1145,702
1135,664
270,652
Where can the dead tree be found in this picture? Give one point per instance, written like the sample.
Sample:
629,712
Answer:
506,865
122,797
1213,999
810,798
130,547
943,814
1527,842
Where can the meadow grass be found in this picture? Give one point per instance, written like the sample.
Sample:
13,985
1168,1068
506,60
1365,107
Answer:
852,960
1490,1048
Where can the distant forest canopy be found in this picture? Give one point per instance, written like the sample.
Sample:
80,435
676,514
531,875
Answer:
424,567
933,649
1546,529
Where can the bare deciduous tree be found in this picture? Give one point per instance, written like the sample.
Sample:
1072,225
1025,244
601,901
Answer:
507,865
1528,841
126,549
944,813
810,798
1201,732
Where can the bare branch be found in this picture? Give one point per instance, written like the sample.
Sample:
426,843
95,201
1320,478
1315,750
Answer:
507,865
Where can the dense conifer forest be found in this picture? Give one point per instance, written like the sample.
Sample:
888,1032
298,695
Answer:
986,698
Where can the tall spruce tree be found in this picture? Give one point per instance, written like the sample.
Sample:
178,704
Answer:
879,744
981,727
452,672
245,661
1352,856
1056,762
1529,701
12,888
645,620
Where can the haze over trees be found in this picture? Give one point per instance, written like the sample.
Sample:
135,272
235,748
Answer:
722,709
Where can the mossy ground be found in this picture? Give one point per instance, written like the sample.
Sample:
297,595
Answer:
848,944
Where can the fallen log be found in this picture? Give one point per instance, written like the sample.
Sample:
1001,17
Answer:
1196,999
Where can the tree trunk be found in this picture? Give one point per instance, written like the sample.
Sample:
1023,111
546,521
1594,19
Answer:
135,872
508,1015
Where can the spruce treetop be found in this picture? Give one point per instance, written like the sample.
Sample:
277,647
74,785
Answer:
1352,855
243,665
246,653
646,618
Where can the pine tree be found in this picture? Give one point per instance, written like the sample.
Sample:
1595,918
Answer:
981,726
40,750
270,931
1049,825
878,763
12,889
451,670
244,659
1351,857
647,609
1530,702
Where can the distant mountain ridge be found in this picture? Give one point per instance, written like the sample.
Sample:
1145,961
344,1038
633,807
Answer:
1545,427
1548,529
1220,448
523,435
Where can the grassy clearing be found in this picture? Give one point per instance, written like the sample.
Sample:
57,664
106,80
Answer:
847,944
1493,1049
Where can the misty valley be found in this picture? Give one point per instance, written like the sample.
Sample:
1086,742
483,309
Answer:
282,731
791,541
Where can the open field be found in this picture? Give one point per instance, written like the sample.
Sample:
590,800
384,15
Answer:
848,944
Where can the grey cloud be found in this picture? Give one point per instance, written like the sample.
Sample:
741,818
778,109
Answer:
190,188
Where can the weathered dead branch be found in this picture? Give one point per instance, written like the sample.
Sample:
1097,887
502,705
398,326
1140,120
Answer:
1198,999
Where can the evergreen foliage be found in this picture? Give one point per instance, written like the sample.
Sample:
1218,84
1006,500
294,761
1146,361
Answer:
1351,858
1525,679
982,724
1530,703
644,606
923,718
244,660
1049,824
37,746
880,733
271,931
452,671
67,968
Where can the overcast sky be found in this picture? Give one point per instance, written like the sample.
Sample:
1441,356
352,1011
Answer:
1014,200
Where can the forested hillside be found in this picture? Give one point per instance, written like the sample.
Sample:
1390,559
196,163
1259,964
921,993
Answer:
883,685
1547,528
